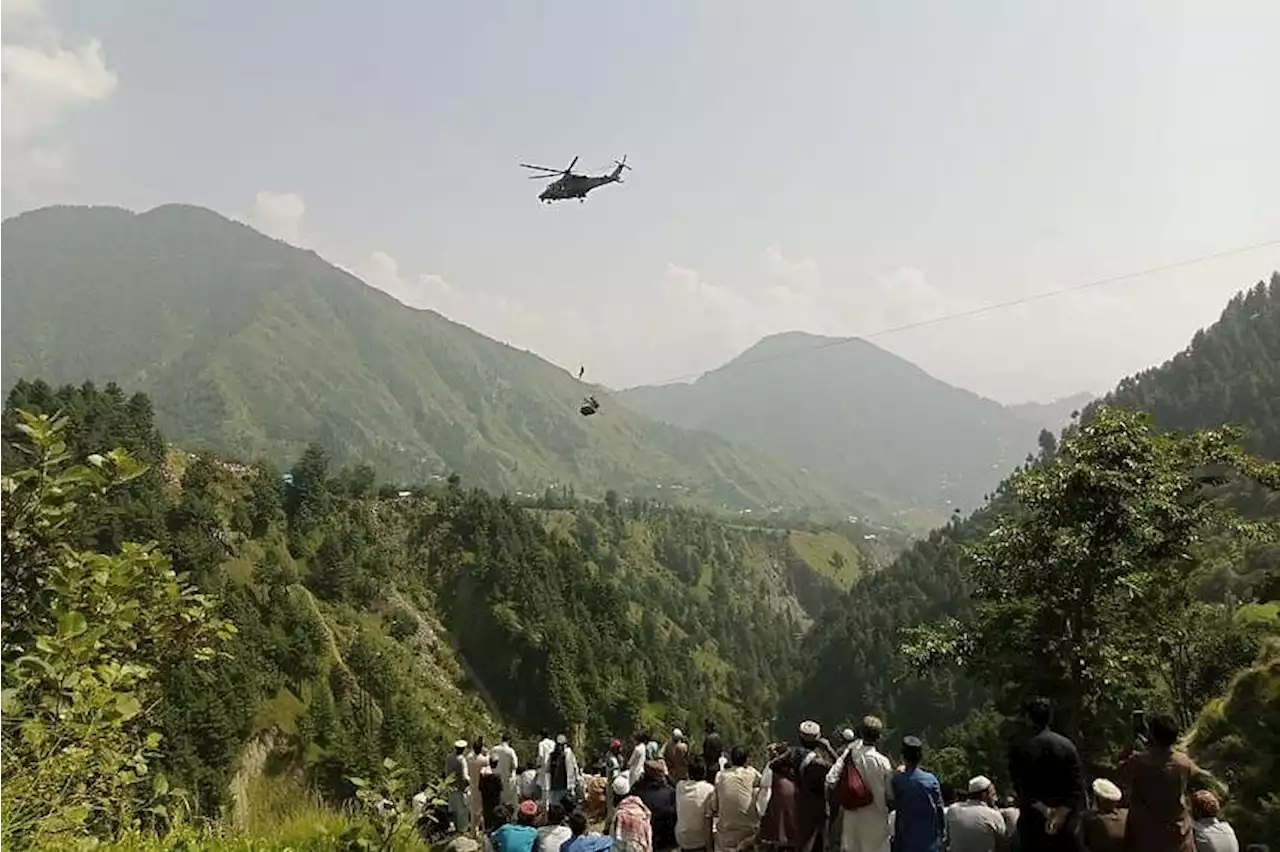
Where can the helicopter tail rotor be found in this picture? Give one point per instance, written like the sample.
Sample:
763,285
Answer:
619,166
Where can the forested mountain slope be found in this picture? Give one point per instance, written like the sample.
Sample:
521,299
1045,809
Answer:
849,408
1230,373
250,346
371,627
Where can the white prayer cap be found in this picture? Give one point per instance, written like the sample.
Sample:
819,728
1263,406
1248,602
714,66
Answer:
677,734
847,735
810,728
621,785
460,744
979,784
1105,790
561,739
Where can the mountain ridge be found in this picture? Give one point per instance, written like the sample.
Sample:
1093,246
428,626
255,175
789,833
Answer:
255,347
847,407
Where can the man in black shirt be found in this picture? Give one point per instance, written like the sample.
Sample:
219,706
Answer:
712,748
1047,778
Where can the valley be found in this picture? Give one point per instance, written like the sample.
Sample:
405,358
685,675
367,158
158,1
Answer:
417,538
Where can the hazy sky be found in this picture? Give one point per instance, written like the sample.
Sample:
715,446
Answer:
840,167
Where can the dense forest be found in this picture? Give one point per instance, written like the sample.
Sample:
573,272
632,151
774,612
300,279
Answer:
908,641
370,625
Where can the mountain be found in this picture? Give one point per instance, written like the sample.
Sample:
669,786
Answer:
1052,415
857,413
250,346
1230,373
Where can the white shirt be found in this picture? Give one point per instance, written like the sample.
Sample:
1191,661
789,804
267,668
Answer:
635,767
552,837
766,791
974,827
507,760
1214,835
545,747
695,806
875,768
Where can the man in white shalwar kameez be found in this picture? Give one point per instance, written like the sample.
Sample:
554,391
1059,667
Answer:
635,766
508,762
865,829
545,746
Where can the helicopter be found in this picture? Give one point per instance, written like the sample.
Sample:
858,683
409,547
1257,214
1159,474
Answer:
568,185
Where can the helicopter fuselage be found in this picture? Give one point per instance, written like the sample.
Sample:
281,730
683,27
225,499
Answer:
573,186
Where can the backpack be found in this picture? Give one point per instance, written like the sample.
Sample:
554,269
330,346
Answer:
853,792
557,770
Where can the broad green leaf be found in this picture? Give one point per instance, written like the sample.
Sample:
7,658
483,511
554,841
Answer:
37,663
71,624
128,707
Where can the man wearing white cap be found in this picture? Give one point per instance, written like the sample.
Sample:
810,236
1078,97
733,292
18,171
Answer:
793,804
630,826
975,825
456,769
676,755
1104,827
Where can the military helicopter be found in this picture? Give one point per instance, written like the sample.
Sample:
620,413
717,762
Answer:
568,185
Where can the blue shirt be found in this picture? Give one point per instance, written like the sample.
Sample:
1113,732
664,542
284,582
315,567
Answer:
514,838
920,820
587,843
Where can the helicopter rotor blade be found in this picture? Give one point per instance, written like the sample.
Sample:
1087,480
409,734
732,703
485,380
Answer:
546,177
541,168
571,165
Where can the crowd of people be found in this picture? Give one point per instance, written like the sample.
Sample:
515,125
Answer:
813,796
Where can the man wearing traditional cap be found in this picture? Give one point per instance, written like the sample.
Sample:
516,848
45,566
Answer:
521,836
456,769
1103,827
630,826
676,755
919,825
974,824
793,794
562,774
864,828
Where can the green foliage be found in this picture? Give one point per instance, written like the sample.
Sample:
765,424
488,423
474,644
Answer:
388,811
88,639
1093,559
558,617
1237,737
252,347
853,651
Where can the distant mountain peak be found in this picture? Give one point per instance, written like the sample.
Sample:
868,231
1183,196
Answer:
854,410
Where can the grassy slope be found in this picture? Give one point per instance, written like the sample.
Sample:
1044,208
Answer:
253,347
